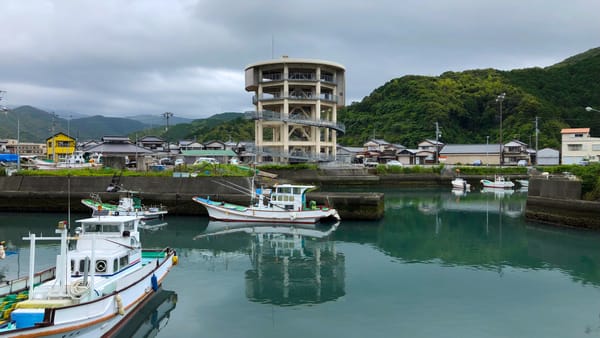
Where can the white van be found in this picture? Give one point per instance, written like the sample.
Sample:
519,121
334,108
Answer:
204,160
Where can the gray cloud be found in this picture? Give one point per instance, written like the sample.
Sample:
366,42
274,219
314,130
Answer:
120,58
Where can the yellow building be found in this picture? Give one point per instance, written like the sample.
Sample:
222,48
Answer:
59,147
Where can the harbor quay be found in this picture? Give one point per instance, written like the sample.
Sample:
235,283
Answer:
58,194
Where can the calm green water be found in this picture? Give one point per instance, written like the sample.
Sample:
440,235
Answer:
438,265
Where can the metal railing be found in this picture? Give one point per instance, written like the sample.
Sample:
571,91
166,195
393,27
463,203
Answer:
272,77
295,96
268,115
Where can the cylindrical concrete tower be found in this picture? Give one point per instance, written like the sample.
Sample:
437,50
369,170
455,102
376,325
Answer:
296,108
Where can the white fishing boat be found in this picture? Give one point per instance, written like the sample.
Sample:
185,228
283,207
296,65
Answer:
103,278
285,203
498,182
460,183
130,204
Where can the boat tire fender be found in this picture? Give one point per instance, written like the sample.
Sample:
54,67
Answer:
154,282
119,301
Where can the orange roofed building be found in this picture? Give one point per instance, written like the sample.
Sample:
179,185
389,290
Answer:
578,146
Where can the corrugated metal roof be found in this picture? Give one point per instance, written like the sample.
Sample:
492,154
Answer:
470,149
574,130
117,148
209,152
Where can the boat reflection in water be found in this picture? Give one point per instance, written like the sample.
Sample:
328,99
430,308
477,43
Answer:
151,318
291,264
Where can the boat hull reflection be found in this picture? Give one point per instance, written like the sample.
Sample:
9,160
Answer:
151,318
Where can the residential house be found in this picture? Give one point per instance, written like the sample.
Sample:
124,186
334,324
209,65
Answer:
380,150
153,143
578,145
427,151
190,145
121,150
407,156
515,151
348,155
59,146
214,145
23,148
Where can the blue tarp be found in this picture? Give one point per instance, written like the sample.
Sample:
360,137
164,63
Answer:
8,158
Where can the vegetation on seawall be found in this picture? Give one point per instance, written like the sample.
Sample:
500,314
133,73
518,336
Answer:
589,175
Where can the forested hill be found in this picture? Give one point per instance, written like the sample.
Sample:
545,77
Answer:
405,110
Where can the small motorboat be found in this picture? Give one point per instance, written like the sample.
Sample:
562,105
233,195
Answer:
460,183
498,182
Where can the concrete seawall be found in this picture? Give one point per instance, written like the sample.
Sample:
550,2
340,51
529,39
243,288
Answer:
558,201
51,194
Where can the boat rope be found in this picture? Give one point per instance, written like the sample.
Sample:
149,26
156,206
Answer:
121,244
235,187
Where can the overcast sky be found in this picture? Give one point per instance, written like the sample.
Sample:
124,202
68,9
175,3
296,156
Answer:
122,58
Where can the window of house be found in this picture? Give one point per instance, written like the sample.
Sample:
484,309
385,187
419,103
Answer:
574,147
578,135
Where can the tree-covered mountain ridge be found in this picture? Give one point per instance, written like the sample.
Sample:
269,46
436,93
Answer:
465,104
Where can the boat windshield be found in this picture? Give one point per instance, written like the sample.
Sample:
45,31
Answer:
100,227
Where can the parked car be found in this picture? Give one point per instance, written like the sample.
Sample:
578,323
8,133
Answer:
477,163
393,163
522,163
205,160
166,161
179,161
583,162
370,163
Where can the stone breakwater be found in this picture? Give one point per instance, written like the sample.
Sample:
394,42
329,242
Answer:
52,194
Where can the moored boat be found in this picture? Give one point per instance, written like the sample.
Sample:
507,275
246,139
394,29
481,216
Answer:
498,182
460,183
130,204
285,203
104,277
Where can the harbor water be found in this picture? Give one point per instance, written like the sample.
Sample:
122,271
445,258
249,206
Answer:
439,264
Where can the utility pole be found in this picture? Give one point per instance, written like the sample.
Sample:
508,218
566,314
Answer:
53,139
167,116
499,99
537,131
437,147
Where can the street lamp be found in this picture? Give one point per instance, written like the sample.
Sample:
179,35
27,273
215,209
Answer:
5,110
592,109
487,142
499,99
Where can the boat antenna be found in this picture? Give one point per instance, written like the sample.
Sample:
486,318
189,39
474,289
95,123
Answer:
68,201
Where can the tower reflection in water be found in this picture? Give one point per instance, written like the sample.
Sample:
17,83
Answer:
291,264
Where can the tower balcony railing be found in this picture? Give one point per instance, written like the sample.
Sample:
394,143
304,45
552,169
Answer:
268,115
273,77
297,155
295,96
